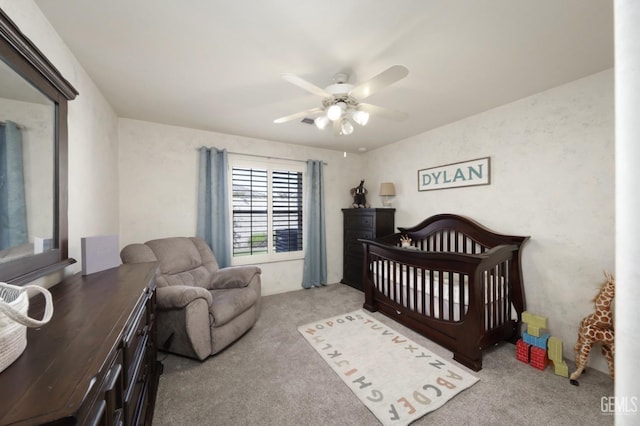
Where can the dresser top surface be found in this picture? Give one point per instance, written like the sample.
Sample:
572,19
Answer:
62,357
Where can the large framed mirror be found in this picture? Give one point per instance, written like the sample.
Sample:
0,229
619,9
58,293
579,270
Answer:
33,160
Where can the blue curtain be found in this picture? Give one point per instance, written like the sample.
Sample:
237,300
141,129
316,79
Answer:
213,198
314,273
13,208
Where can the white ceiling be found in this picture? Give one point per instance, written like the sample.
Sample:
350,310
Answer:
216,64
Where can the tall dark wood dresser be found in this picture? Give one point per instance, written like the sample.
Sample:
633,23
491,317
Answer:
95,362
362,223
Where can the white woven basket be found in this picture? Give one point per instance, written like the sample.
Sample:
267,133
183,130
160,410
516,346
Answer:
14,306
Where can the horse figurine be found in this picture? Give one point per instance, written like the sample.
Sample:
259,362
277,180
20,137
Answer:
359,196
597,328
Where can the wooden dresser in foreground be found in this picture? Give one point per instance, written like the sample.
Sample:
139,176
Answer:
95,362
362,223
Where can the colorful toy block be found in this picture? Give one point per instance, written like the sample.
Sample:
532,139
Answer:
523,351
554,347
534,320
535,331
540,342
539,358
554,352
560,368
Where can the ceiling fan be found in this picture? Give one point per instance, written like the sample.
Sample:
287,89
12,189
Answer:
341,103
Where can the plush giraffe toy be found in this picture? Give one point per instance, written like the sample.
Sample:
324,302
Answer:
597,328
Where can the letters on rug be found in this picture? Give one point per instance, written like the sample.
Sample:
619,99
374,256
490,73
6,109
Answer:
398,380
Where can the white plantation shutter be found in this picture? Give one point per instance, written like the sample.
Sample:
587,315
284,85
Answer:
266,210
287,210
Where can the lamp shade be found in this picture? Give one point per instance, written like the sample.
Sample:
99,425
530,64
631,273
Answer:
387,188
346,127
321,122
361,117
336,110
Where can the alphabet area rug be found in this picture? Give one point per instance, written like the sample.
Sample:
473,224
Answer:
397,379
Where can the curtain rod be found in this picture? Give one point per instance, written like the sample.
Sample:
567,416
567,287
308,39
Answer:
267,156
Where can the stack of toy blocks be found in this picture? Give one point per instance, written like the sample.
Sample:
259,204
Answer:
537,347
537,338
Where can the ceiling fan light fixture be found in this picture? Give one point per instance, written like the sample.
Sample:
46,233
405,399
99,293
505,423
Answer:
335,111
361,117
346,127
341,106
321,122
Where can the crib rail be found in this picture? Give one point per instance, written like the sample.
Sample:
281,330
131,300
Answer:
442,240
442,286
497,287
449,240
433,293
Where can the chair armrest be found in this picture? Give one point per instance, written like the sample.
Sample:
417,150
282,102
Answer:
179,296
233,277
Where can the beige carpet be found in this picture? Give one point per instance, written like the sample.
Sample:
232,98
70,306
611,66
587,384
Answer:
397,379
265,379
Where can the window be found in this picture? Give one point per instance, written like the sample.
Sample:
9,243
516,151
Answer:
266,210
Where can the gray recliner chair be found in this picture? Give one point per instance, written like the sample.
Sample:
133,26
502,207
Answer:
201,308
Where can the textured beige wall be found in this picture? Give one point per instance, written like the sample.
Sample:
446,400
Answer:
159,187
552,177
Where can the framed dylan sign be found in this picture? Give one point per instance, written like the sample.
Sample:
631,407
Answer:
466,173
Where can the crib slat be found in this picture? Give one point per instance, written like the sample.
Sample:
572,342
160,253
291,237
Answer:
490,299
392,278
507,289
431,304
451,299
494,298
464,297
398,280
405,301
383,278
386,271
423,291
440,296
406,286
415,289
499,285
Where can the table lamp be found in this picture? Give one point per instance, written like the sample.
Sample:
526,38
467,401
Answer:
387,190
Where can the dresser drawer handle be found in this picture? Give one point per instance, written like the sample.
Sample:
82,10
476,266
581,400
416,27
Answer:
112,377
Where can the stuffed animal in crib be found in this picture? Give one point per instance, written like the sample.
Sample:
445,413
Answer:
597,328
359,196
405,241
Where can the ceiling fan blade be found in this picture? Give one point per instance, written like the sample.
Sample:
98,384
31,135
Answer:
304,84
296,115
384,112
380,81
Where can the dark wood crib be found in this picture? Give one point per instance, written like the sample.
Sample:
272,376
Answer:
457,283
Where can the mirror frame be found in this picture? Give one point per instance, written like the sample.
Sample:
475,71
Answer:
20,54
